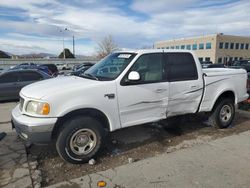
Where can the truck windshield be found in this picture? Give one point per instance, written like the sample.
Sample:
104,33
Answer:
110,67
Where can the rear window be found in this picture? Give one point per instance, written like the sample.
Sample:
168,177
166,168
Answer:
180,66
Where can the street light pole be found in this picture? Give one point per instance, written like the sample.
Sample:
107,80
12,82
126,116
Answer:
74,45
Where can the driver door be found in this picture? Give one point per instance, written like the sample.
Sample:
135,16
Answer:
144,100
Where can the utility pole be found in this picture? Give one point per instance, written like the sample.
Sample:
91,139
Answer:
74,45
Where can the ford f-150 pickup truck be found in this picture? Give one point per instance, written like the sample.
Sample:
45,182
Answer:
124,89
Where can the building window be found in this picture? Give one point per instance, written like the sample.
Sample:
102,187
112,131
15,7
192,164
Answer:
232,45
219,60
188,47
208,45
226,45
167,47
241,58
177,47
221,45
207,58
200,59
247,45
224,60
237,45
172,47
230,59
242,46
235,58
201,46
182,46
194,46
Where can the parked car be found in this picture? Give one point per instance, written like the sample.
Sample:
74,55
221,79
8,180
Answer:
216,65
205,64
11,82
78,66
32,66
63,66
245,64
147,86
80,70
52,68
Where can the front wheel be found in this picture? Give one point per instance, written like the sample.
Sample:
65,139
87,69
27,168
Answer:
223,114
80,139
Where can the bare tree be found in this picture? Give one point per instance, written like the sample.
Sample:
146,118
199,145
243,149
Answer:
106,46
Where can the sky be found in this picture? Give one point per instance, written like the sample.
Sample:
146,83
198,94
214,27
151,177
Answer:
35,26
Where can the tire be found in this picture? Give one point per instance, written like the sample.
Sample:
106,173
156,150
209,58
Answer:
223,114
80,139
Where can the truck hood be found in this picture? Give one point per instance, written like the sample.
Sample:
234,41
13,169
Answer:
52,86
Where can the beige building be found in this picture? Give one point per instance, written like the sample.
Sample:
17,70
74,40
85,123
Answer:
218,48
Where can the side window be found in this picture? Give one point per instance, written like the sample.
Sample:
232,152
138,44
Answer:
9,77
180,66
150,68
30,76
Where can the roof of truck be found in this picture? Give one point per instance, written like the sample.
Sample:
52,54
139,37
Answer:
153,50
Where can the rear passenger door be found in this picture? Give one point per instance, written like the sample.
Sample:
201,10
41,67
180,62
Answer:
185,85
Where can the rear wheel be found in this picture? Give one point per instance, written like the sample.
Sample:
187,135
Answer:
223,114
80,139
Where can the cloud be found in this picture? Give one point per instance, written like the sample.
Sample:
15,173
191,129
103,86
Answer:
133,25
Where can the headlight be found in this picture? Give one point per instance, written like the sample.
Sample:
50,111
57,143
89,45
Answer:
40,108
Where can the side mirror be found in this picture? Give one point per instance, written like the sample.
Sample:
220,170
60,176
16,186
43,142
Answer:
133,76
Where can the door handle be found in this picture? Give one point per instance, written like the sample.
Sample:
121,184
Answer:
193,87
160,90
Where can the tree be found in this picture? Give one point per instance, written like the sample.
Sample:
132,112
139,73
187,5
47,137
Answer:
106,46
68,54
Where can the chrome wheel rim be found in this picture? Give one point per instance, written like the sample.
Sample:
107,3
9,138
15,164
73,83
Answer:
83,141
225,113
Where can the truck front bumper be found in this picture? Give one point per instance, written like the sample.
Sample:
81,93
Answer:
32,129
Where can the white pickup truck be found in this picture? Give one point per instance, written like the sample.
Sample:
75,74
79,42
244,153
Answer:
125,89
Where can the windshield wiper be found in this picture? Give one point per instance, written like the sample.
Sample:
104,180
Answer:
90,76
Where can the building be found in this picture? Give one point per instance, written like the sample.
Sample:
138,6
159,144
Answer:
218,48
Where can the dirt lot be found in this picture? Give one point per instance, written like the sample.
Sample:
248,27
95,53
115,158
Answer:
138,143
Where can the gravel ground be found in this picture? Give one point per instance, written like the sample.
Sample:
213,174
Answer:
134,143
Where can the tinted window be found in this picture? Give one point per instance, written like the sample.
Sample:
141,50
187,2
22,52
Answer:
247,45
180,66
30,76
226,45
208,45
150,68
232,46
221,45
9,77
242,46
237,46
194,46
201,46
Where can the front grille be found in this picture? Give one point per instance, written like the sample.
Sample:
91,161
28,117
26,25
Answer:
21,103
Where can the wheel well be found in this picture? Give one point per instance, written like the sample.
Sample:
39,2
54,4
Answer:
87,112
225,95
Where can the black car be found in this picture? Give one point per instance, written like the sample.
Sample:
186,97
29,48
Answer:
216,65
11,82
245,64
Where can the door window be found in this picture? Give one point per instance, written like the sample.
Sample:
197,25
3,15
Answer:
30,76
9,77
150,68
180,66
